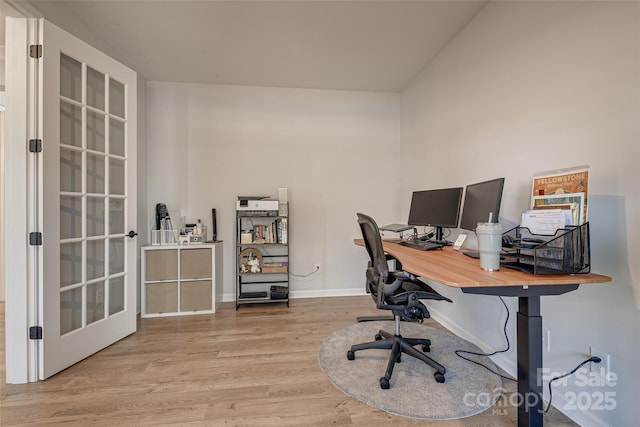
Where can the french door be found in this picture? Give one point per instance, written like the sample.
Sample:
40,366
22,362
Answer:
84,199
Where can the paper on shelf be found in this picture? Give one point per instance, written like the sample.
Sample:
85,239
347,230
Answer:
547,221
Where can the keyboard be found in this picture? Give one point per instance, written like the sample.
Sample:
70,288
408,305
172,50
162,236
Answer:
423,245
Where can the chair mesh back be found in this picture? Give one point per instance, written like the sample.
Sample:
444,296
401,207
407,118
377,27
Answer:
373,243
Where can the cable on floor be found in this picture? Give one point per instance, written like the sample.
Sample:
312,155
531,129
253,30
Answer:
459,352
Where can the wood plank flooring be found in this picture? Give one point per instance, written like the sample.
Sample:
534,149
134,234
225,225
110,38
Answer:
257,366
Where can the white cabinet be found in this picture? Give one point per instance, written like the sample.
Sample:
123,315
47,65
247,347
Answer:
181,280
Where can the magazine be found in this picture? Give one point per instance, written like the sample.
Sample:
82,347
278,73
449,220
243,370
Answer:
565,189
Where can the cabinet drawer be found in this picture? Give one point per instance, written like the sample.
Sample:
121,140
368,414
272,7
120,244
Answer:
161,297
161,265
195,263
196,295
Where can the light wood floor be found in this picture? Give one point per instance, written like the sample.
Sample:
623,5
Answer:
257,366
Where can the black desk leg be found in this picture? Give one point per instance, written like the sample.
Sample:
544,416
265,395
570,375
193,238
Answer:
530,409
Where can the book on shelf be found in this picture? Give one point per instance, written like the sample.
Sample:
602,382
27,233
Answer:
275,232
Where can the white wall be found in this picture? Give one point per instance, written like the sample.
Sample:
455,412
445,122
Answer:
334,150
5,11
535,86
141,205
2,180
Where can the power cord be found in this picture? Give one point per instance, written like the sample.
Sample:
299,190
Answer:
594,359
317,270
506,337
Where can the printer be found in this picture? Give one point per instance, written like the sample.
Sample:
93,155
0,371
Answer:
257,205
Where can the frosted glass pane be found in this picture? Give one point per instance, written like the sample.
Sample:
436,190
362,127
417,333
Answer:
95,302
95,259
95,216
70,124
95,89
116,98
116,137
70,78
95,174
70,263
95,131
116,216
70,310
116,255
116,295
70,217
116,176
70,170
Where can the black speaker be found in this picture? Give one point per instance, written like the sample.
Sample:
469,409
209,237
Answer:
214,227
161,214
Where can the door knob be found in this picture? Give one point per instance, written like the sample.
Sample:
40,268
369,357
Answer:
132,234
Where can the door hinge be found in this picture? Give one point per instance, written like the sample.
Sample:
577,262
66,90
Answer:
35,51
35,238
35,145
35,333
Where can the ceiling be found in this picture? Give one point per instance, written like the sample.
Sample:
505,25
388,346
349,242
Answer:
342,45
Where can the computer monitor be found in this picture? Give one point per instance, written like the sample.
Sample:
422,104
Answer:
436,208
481,200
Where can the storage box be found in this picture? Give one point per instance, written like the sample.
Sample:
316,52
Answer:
275,267
565,252
279,292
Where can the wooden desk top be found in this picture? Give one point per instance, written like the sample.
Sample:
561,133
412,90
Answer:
453,268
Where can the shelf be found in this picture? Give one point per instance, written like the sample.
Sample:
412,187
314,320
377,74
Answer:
268,273
261,244
271,252
261,301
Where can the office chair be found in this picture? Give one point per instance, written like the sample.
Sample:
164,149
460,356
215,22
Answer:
400,293
361,319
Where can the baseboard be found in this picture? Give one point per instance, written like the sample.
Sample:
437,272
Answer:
583,419
349,292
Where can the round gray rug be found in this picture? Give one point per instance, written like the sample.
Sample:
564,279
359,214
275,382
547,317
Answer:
468,390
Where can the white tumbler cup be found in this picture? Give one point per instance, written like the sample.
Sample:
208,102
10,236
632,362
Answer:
489,236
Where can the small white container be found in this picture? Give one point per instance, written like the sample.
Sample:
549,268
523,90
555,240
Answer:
164,237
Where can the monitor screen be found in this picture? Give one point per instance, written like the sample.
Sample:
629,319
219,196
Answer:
480,200
437,208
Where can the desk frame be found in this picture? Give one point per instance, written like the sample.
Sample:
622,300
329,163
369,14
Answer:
455,269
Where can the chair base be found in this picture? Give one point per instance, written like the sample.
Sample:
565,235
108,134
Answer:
398,345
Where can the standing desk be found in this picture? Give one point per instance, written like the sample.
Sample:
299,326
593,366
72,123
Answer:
453,268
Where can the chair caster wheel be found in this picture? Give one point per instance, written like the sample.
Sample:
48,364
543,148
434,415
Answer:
426,349
351,355
378,337
439,377
384,383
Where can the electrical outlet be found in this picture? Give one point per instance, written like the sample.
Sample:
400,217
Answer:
604,367
317,266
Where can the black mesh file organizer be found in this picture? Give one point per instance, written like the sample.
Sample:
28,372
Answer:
565,252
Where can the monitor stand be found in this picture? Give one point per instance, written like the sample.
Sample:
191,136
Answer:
439,237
